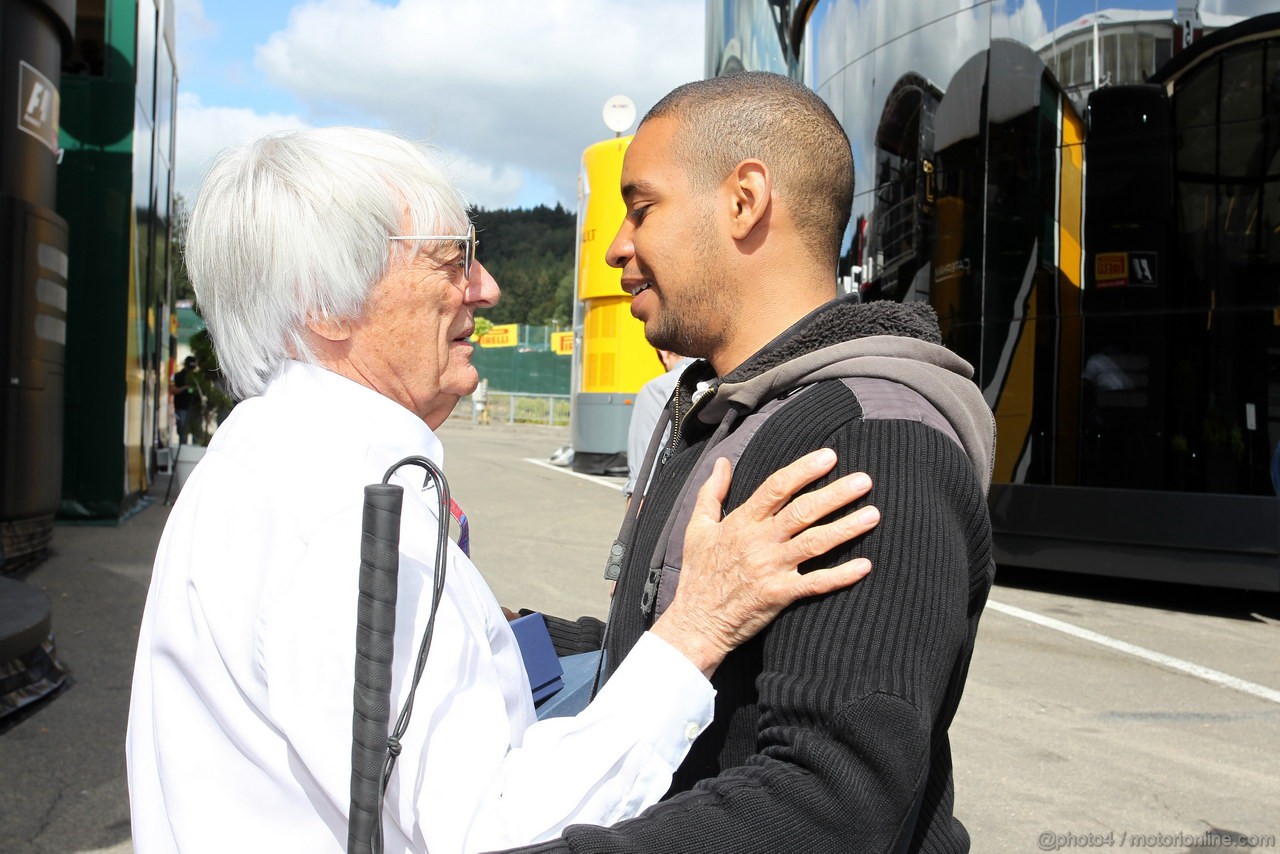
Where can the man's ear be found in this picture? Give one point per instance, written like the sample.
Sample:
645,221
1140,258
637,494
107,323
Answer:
750,194
329,328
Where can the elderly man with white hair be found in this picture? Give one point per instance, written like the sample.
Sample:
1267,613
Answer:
336,271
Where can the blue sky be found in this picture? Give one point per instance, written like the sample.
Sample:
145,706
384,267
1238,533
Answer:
511,89
219,63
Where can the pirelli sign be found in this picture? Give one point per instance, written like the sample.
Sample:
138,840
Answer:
502,335
1125,270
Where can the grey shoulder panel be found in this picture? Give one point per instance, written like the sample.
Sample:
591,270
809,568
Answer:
886,400
664,573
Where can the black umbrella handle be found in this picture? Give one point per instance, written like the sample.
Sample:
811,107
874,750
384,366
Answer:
375,642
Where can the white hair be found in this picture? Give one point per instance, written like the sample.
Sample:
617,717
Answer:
294,226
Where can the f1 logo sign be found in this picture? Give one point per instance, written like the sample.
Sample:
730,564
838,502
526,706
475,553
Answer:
1142,269
38,103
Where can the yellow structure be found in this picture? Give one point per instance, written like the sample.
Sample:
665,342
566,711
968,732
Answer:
615,355
612,359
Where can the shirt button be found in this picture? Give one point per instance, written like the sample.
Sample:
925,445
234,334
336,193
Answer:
692,730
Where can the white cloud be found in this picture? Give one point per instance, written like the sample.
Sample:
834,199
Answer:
204,131
512,88
192,21
486,184
1243,8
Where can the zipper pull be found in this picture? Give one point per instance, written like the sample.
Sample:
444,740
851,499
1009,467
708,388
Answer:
650,593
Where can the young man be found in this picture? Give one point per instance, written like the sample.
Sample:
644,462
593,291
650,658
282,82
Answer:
830,729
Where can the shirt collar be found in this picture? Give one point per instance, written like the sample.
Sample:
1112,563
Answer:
387,430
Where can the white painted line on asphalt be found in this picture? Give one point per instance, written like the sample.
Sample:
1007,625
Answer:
611,482
1209,675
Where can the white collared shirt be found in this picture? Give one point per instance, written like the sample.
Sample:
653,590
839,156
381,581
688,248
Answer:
240,720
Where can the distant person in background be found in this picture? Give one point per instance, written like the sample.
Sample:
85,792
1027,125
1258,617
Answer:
480,401
185,395
650,401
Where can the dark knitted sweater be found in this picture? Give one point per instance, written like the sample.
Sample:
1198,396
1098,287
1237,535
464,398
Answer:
830,730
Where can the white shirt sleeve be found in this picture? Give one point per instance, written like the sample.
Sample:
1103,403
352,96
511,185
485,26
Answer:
240,717
477,771
607,763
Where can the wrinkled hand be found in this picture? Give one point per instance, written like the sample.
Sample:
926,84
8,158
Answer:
739,572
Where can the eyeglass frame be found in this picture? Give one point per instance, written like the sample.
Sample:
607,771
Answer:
468,241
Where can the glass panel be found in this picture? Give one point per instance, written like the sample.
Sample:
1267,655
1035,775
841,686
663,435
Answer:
145,61
1242,84
164,102
1240,247
956,215
906,94
88,55
1172,402
895,20
1164,51
1242,136
1167,377
1110,45
1195,217
1271,108
144,219
1270,226
1123,386
1195,114
743,36
1146,56
160,235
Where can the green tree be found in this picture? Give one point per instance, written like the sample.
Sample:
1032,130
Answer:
212,403
530,254
182,289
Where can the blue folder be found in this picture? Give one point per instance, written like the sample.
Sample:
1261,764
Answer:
540,661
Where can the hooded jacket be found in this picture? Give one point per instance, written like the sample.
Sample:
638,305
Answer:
830,729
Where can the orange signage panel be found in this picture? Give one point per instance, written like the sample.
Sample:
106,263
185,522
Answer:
1111,269
504,335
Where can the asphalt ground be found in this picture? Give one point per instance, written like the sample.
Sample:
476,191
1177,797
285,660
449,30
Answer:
1098,714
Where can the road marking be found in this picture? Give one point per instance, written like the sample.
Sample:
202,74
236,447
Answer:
1209,675
611,482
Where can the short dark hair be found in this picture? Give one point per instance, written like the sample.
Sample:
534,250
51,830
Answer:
190,361
780,122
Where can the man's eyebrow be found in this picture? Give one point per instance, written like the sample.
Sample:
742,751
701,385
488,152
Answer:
631,188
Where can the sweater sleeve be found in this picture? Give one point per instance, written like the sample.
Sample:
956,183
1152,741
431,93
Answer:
854,690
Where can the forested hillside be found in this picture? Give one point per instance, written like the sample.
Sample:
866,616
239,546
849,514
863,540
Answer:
530,253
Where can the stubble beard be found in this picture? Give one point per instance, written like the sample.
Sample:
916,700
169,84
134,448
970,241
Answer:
694,326
699,319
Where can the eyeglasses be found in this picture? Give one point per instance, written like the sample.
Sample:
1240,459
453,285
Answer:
466,242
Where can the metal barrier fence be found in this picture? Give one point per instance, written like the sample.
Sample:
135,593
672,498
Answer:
514,408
